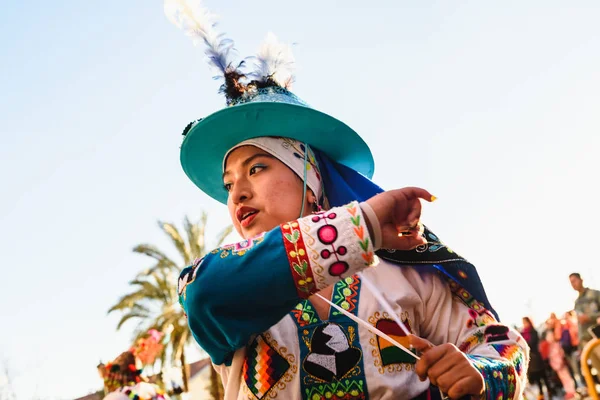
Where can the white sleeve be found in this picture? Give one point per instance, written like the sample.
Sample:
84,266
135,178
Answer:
454,316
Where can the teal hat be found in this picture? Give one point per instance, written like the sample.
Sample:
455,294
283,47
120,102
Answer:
259,103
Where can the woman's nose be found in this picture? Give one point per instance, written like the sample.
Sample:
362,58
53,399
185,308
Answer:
241,191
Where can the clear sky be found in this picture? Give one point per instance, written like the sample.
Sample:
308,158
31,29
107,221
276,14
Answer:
493,107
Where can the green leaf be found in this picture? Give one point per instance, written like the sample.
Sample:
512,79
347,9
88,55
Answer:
355,220
364,244
298,269
296,235
304,267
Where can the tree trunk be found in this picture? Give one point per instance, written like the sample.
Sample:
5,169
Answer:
184,372
216,387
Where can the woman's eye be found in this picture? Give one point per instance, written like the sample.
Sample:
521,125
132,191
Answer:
227,187
257,168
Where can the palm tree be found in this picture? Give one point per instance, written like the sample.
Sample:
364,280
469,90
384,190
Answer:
154,302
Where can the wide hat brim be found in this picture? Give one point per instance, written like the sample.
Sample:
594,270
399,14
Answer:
209,140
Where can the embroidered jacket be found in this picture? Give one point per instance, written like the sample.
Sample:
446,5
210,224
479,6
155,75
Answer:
247,307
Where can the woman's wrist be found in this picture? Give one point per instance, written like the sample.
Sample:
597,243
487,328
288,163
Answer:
372,223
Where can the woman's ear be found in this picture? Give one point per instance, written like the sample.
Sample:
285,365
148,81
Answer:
310,197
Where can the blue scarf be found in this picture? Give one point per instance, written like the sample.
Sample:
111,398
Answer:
343,185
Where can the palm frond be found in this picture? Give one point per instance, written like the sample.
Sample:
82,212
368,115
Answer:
192,231
153,252
178,241
153,300
128,301
159,266
130,315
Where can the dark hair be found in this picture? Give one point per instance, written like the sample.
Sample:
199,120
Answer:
528,321
575,274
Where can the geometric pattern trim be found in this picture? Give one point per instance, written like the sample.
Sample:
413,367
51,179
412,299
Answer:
264,367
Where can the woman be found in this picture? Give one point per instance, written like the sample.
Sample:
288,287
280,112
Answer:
296,183
536,372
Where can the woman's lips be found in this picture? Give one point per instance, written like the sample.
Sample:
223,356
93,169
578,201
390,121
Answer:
248,220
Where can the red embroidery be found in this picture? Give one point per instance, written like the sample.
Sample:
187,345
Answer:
298,259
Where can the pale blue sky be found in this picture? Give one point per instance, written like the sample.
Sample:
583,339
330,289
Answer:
492,107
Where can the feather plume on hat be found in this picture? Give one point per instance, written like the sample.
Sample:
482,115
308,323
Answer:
274,63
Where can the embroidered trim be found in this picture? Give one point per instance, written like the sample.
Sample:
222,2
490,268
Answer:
362,233
240,248
433,244
331,356
315,257
187,276
305,314
499,377
388,357
267,367
332,365
298,260
342,390
328,234
345,294
513,354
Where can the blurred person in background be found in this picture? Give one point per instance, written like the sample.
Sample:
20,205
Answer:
587,307
558,363
536,372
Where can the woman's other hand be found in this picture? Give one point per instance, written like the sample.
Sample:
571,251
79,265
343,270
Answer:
447,368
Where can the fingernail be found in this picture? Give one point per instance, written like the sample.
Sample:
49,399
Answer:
433,198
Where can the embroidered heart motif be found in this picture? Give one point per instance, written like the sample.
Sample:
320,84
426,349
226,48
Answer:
389,353
331,355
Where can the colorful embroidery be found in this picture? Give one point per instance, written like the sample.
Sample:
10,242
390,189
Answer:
331,356
305,314
480,316
488,334
299,152
327,235
343,390
514,354
387,356
315,256
187,276
240,248
361,232
266,369
345,294
499,376
298,259
332,361
433,244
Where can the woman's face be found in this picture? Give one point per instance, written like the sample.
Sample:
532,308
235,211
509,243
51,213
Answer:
263,192
526,323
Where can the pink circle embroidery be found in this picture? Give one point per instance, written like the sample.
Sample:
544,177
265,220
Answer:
327,234
338,268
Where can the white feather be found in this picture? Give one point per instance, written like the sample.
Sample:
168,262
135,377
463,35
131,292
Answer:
197,22
275,59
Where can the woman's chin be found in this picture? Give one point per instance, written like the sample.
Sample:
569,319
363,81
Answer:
255,230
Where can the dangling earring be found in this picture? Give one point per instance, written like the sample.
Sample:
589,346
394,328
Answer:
316,207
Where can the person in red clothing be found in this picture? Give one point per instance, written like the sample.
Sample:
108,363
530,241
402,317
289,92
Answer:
559,364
